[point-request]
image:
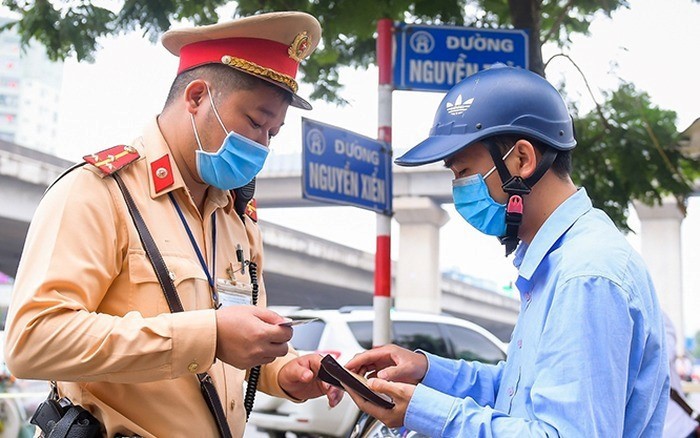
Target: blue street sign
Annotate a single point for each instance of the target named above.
(434, 58)
(342, 167)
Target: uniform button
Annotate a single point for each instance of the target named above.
(233, 404)
(171, 274)
(193, 367)
(528, 297)
(510, 391)
(161, 172)
(520, 343)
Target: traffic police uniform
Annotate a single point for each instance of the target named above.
(87, 307)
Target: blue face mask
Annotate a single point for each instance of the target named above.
(235, 164)
(475, 204)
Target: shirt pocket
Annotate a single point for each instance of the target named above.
(146, 294)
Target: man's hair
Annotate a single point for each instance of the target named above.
(561, 166)
(222, 78)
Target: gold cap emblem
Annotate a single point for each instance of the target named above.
(299, 48)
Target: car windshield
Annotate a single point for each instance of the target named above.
(412, 335)
(444, 340)
(306, 337)
(362, 330)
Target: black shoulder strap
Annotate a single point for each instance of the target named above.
(211, 397)
(65, 172)
(152, 251)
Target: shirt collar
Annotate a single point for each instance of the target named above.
(529, 257)
(158, 155)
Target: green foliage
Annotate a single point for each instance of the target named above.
(562, 19)
(630, 151)
(154, 16)
(71, 31)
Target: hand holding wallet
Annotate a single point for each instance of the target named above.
(334, 373)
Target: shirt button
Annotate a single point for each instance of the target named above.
(193, 367)
(171, 274)
(510, 391)
(520, 343)
(528, 297)
(233, 404)
(162, 172)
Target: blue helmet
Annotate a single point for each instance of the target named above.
(500, 100)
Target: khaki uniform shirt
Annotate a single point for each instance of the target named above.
(88, 311)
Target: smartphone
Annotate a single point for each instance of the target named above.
(335, 374)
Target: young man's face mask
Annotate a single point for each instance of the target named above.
(475, 204)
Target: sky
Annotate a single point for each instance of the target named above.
(654, 44)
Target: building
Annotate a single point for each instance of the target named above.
(30, 87)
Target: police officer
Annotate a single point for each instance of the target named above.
(587, 355)
(88, 310)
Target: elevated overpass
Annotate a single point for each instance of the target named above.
(24, 175)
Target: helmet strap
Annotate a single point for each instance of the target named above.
(516, 188)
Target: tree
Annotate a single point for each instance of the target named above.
(627, 148)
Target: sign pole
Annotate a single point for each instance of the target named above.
(382, 276)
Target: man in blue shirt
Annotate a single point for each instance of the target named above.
(587, 357)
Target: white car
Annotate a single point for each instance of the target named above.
(348, 331)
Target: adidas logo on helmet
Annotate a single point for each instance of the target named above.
(458, 107)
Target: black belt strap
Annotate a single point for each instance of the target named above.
(207, 386)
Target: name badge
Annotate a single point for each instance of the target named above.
(233, 293)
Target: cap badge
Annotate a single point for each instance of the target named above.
(299, 48)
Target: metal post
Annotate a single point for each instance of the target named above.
(382, 276)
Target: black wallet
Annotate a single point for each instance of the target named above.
(334, 373)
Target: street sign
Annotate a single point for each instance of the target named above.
(342, 167)
(434, 58)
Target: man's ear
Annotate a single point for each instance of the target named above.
(195, 94)
(527, 156)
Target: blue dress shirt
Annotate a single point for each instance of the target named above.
(587, 357)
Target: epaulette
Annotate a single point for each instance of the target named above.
(252, 210)
(112, 159)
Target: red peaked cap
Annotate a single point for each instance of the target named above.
(268, 46)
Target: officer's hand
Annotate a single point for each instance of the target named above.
(247, 336)
(298, 378)
(400, 394)
(391, 363)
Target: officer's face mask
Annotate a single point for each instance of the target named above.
(475, 204)
(235, 164)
